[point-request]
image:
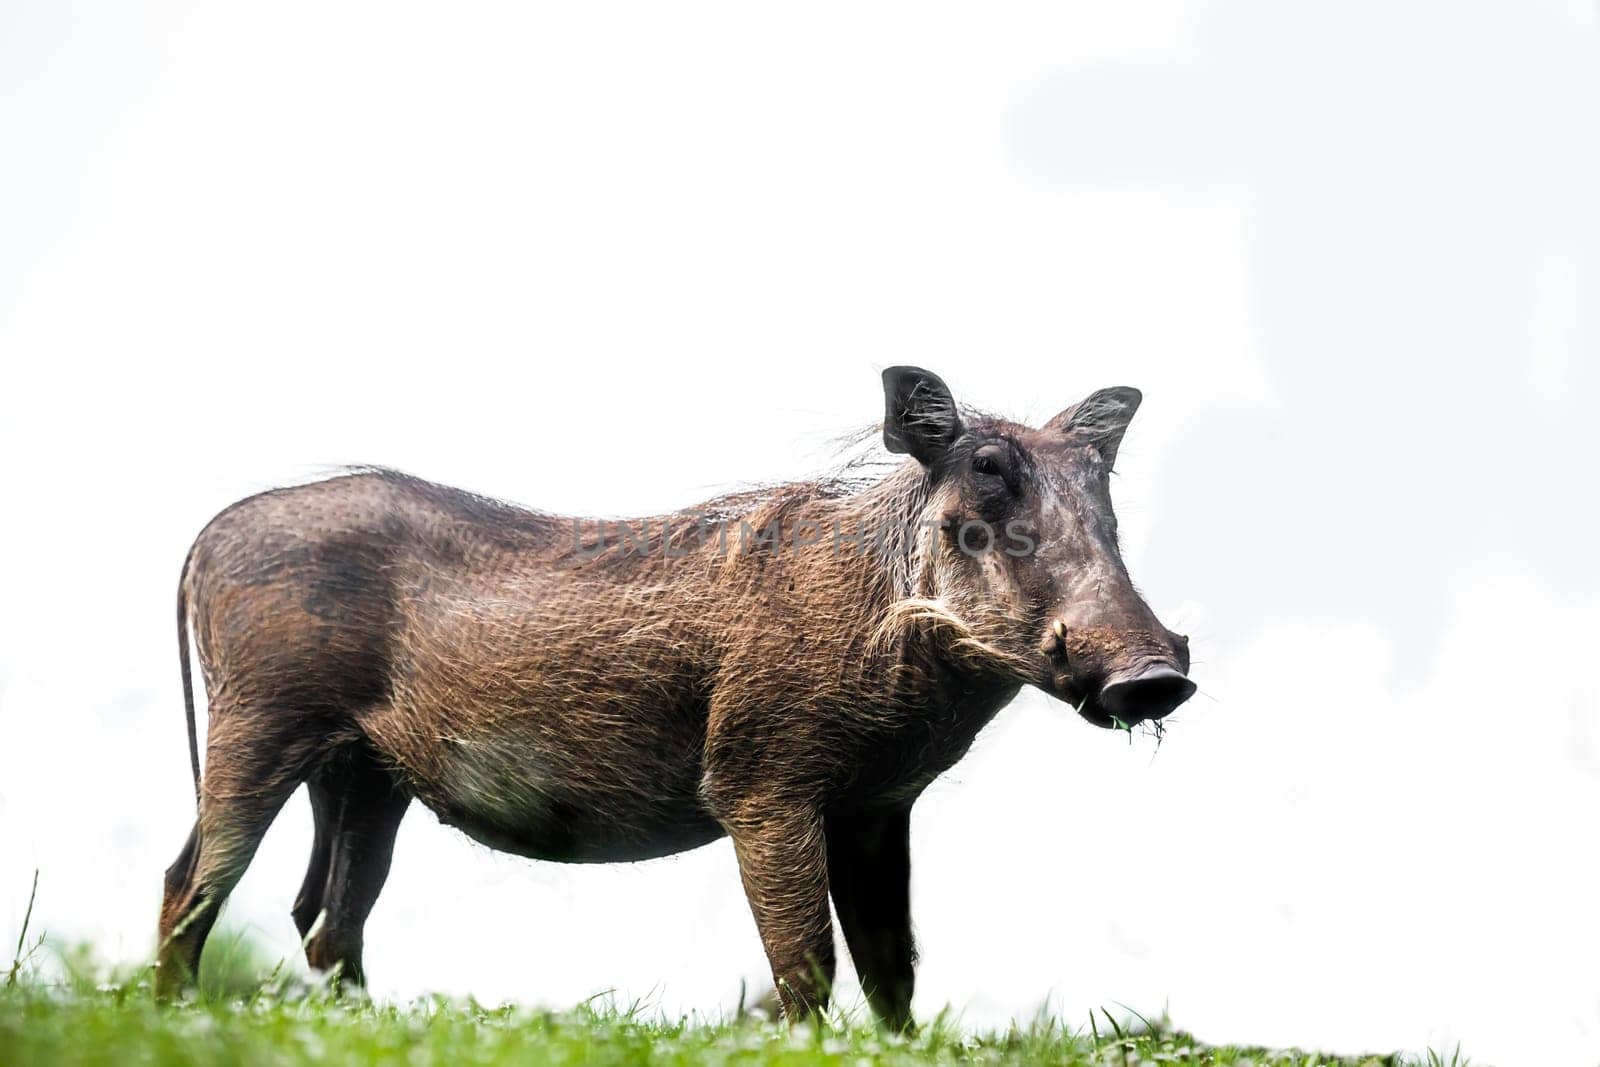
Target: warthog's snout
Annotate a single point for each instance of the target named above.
(1151, 693)
(1116, 676)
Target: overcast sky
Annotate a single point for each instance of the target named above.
(610, 259)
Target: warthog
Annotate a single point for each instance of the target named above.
(790, 667)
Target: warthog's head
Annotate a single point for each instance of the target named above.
(1022, 568)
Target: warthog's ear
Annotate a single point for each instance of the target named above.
(919, 414)
(1102, 418)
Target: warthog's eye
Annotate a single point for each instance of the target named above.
(994, 486)
(988, 461)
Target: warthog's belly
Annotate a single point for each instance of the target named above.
(514, 798)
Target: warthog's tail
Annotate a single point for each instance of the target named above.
(188, 680)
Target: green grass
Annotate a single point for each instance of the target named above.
(121, 1026)
(62, 1007)
(283, 1021)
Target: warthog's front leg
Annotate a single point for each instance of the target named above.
(869, 870)
(783, 863)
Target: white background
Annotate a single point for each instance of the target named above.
(610, 259)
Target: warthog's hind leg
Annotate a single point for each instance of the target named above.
(358, 807)
(254, 760)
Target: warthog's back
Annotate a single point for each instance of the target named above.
(546, 702)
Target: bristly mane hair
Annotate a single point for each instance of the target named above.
(861, 463)
(863, 466)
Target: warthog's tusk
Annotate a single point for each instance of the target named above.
(1060, 630)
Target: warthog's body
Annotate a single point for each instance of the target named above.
(581, 692)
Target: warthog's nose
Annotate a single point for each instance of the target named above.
(1148, 694)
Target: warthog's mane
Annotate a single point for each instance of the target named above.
(883, 491)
